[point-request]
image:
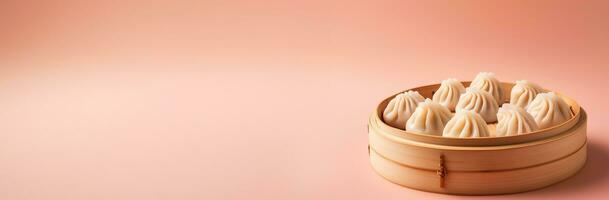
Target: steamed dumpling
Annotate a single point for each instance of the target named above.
(429, 118)
(523, 93)
(401, 107)
(465, 124)
(514, 120)
(548, 110)
(480, 102)
(449, 92)
(486, 81)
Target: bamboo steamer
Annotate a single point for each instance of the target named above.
(478, 166)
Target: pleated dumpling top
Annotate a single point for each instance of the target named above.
(466, 124)
(524, 92)
(449, 92)
(486, 81)
(514, 120)
(401, 107)
(429, 118)
(548, 109)
(480, 102)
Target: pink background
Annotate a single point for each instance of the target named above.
(263, 99)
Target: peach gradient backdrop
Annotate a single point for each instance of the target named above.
(263, 99)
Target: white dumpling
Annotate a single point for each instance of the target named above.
(429, 118)
(401, 107)
(514, 120)
(466, 124)
(486, 81)
(523, 93)
(480, 102)
(449, 92)
(548, 109)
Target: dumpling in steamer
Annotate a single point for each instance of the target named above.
(466, 124)
(429, 118)
(486, 81)
(401, 107)
(514, 120)
(480, 102)
(548, 109)
(449, 92)
(524, 92)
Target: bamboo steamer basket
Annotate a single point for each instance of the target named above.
(478, 166)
